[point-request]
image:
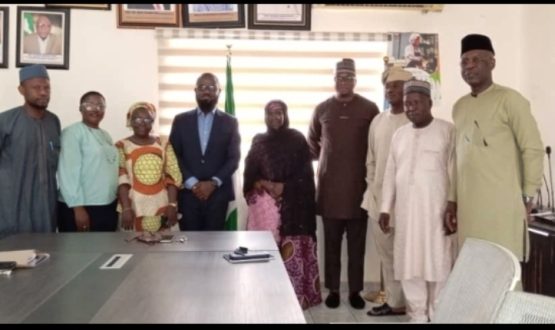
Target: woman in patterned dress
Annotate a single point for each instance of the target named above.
(279, 189)
(149, 175)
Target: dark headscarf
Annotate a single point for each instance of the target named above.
(272, 104)
(283, 156)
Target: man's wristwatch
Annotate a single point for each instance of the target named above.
(527, 199)
(215, 183)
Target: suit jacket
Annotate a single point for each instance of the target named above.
(53, 46)
(221, 158)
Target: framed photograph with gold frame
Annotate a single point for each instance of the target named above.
(279, 17)
(42, 37)
(143, 15)
(95, 6)
(228, 15)
(4, 42)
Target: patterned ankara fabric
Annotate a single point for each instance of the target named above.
(300, 259)
(148, 169)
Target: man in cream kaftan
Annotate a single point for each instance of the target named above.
(381, 131)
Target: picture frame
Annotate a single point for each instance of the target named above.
(35, 23)
(93, 6)
(145, 16)
(279, 16)
(4, 41)
(230, 15)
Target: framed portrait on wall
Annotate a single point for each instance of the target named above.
(42, 37)
(228, 15)
(144, 15)
(279, 16)
(94, 6)
(418, 53)
(4, 42)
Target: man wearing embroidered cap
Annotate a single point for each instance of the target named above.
(338, 137)
(499, 154)
(379, 139)
(29, 148)
(418, 187)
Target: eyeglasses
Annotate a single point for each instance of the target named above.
(210, 88)
(473, 60)
(345, 78)
(93, 107)
(141, 120)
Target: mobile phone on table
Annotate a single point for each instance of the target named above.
(6, 267)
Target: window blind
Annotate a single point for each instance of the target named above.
(294, 66)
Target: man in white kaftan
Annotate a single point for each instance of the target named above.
(418, 188)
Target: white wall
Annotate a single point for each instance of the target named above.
(122, 63)
(538, 67)
(119, 63)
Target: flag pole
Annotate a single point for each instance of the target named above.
(231, 216)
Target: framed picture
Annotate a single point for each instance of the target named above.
(228, 15)
(144, 15)
(42, 37)
(4, 42)
(279, 17)
(97, 6)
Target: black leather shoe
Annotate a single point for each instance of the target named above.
(383, 310)
(332, 301)
(356, 301)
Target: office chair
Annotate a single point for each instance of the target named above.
(523, 307)
(483, 272)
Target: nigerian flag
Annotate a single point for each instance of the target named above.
(231, 218)
(28, 23)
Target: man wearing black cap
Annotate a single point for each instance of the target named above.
(29, 148)
(338, 138)
(499, 154)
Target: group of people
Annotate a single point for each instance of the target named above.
(417, 178)
(430, 179)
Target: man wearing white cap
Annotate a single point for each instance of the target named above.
(499, 154)
(419, 188)
(29, 149)
(379, 139)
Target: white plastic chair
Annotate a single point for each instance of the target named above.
(483, 273)
(525, 308)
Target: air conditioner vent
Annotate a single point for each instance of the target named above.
(410, 6)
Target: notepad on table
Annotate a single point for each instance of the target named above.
(24, 258)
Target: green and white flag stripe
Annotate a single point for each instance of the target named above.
(231, 218)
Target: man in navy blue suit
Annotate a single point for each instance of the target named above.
(206, 142)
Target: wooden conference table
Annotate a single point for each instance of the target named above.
(176, 282)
